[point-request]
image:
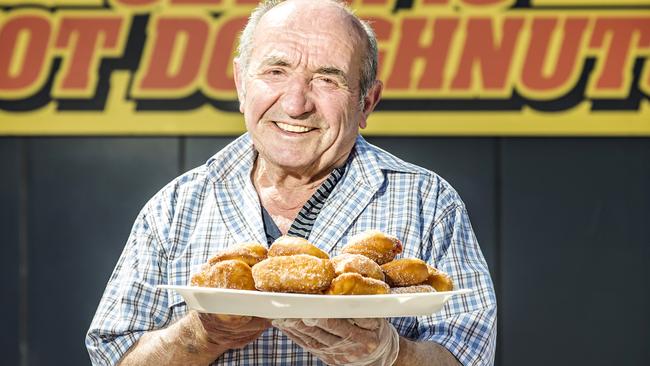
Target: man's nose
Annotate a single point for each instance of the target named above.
(297, 99)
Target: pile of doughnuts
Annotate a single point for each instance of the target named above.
(366, 266)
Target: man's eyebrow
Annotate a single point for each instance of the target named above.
(274, 61)
(333, 71)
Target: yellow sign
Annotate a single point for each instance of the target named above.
(450, 67)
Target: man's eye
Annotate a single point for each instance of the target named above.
(327, 81)
(275, 72)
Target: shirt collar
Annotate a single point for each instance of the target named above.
(234, 160)
(366, 163)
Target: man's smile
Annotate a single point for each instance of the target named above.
(293, 128)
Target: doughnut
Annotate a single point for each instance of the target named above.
(229, 273)
(356, 284)
(405, 272)
(300, 273)
(379, 247)
(439, 280)
(202, 278)
(412, 289)
(250, 253)
(290, 245)
(357, 263)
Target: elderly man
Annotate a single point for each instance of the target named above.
(306, 83)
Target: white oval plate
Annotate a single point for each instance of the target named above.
(274, 305)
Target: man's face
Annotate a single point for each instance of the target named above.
(301, 100)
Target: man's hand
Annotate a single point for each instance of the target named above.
(196, 339)
(230, 331)
(354, 342)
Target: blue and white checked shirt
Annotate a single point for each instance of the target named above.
(216, 205)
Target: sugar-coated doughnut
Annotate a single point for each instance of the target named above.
(374, 244)
(405, 272)
(291, 245)
(412, 289)
(357, 263)
(366, 266)
(300, 273)
(439, 280)
(250, 253)
(356, 284)
(229, 273)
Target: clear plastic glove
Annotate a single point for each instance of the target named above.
(353, 342)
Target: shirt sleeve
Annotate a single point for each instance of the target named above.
(467, 324)
(131, 304)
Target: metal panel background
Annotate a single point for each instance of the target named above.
(563, 224)
(10, 174)
(84, 196)
(575, 252)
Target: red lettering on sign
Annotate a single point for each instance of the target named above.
(86, 33)
(217, 76)
(33, 58)
(169, 31)
(614, 71)
(481, 48)
(533, 75)
(434, 54)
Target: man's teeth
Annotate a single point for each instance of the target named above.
(292, 128)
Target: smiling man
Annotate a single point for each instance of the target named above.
(305, 79)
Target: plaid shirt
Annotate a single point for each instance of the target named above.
(216, 205)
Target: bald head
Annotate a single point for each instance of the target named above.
(297, 14)
(321, 14)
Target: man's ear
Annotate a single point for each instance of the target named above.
(370, 102)
(238, 83)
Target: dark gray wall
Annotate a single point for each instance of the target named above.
(575, 252)
(564, 225)
(11, 240)
(83, 196)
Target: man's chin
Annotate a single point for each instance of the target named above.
(292, 164)
(296, 161)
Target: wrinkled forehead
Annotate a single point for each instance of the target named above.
(315, 34)
(317, 29)
(300, 13)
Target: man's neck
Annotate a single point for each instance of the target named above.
(269, 175)
(284, 193)
(281, 193)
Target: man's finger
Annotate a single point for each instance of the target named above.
(338, 327)
(367, 323)
(321, 335)
(303, 340)
(234, 319)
